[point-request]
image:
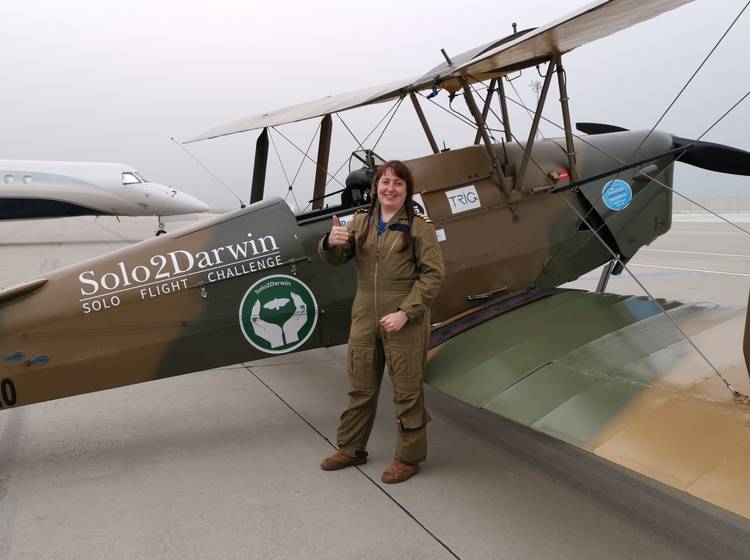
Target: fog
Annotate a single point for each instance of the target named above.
(114, 81)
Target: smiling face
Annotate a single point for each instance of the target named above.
(391, 191)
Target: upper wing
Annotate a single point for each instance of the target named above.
(593, 21)
(527, 48)
(317, 108)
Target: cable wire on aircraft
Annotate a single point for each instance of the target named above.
(617, 258)
(242, 204)
(700, 66)
(620, 160)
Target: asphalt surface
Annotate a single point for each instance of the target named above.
(224, 463)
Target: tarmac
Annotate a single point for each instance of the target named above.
(224, 463)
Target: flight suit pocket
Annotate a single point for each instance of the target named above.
(413, 420)
(361, 367)
(403, 367)
(408, 399)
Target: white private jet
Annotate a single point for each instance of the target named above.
(53, 189)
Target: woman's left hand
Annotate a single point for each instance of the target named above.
(394, 322)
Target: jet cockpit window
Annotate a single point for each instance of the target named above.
(129, 178)
(141, 177)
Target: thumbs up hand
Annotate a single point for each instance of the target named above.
(339, 235)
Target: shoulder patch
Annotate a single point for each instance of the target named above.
(423, 216)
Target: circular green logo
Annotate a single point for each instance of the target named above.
(278, 314)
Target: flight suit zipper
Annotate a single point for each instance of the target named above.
(377, 259)
(375, 283)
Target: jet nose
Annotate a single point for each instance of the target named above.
(193, 204)
(176, 202)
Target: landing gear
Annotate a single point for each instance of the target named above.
(606, 273)
(161, 228)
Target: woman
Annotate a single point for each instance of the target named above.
(399, 273)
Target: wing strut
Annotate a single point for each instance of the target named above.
(497, 169)
(425, 125)
(504, 109)
(562, 80)
(259, 167)
(321, 170)
(535, 125)
(486, 108)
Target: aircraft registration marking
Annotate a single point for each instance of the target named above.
(7, 393)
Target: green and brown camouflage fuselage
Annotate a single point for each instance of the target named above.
(250, 284)
(172, 305)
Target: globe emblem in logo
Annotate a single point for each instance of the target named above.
(278, 314)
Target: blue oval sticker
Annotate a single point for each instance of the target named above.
(617, 194)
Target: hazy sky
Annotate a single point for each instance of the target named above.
(113, 81)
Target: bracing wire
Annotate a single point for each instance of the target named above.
(302, 161)
(530, 112)
(199, 162)
(305, 155)
(349, 130)
(388, 123)
(657, 181)
(281, 163)
(661, 308)
(700, 66)
(618, 259)
(458, 116)
(290, 189)
(554, 258)
(374, 128)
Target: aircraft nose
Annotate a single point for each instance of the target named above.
(176, 202)
(193, 204)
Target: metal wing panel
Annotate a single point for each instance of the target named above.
(592, 22)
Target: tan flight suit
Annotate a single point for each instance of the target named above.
(386, 282)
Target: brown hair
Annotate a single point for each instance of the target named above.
(400, 170)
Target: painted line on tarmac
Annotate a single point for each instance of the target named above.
(691, 269)
(706, 218)
(10, 444)
(695, 253)
(363, 473)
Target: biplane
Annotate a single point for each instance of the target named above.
(620, 376)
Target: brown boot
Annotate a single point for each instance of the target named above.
(398, 471)
(340, 461)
